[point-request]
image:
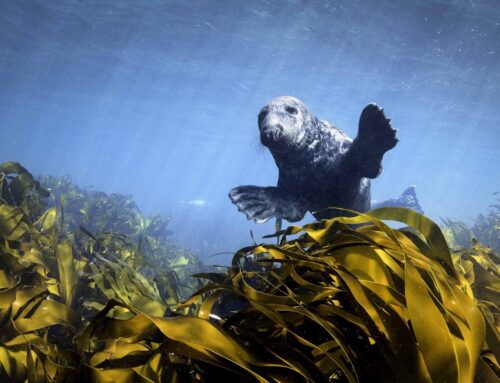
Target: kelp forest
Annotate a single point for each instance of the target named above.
(93, 291)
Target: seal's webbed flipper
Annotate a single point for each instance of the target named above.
(375, 137)
(262, 203)
(408, 199)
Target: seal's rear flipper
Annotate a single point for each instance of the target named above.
(408, 199)
(375, 137)
(262, 203)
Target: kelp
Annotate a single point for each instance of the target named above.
(457, 233)
(342, 300)
(55, 276)
(113, 226)
(19, 188)
(485, 229)
(114, 223)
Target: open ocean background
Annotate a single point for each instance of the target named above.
(159, 99)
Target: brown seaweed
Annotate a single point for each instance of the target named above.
(342, 300)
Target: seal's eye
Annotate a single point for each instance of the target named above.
(291, 110)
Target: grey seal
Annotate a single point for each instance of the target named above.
(319, 165)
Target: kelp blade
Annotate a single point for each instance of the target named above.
(347, 300)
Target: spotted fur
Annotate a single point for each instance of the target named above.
(319, 165)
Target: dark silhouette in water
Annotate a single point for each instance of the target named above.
(319, 165)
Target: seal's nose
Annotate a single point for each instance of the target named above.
(272, 128)
(278, 127)
(269, 136)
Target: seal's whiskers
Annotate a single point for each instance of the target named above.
(258, 146)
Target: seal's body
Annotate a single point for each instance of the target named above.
(319, 165)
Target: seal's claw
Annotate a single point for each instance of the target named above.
(262, 203)
(375, 137)
(254, 201)
(375, 130)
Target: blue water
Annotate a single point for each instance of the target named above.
(159, 99)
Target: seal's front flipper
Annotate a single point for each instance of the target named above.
(375, 137)
(408, 199)
(262, 203)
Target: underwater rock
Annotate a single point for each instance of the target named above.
(407, 199)
(319, 165)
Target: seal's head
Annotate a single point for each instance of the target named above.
(284, 124)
